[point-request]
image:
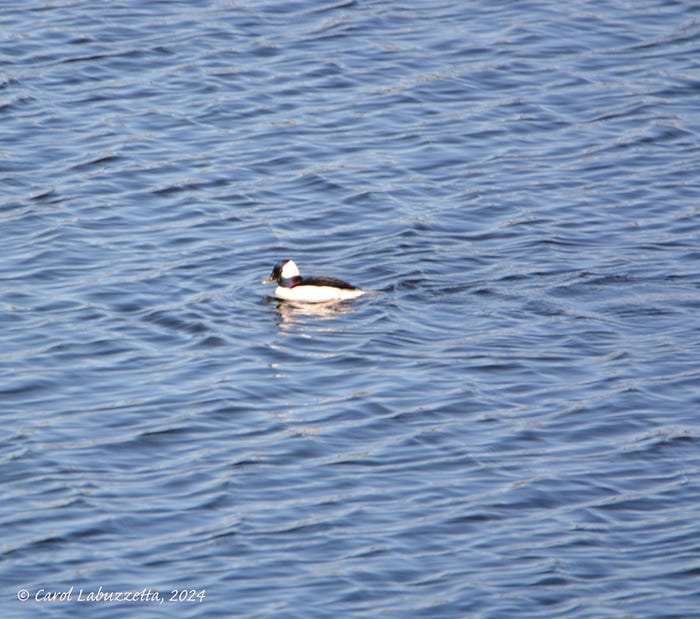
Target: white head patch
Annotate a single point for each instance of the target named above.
(290, 269)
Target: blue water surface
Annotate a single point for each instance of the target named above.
(508, 427)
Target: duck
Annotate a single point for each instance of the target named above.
(291, 286)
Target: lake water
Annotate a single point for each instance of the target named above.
(509, 428)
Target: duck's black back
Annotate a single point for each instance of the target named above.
(327, 281)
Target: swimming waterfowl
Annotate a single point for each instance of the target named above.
(291, 286)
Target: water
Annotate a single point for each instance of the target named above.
(509, 428)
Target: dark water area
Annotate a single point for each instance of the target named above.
(509, 427)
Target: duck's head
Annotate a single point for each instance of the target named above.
(286, 273)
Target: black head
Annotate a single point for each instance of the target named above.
(285, 273)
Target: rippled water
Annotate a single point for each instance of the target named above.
(509, 428)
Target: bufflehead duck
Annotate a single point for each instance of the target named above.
(293, 287)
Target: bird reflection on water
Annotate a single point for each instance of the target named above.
(293, 312)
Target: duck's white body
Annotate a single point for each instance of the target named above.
(293, 287)
(315, 294)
